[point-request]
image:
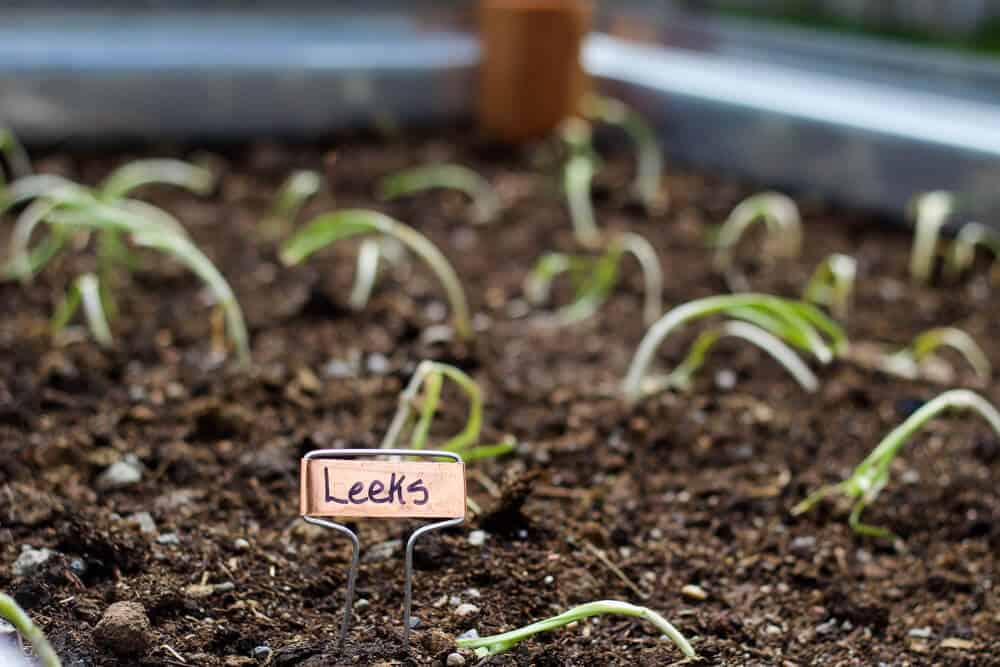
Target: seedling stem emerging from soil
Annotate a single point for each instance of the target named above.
(594, 278)
(12, 612)
(906, 362)
(430, 376)
(331, 227)
(832, 284)
(448, 176)
(931, 211)
(962, 253)
(18, 163)
(485, 646)
(780, 215)
(85, 291)
(297, 189)
(649, 172)
(872, 474)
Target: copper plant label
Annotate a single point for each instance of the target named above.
(389, 489)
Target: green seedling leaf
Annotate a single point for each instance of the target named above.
(784, 232)
(447, 176)
(832, 284)
(12, 612)
(872, 474)
(931, 211)
(85, 290)
(18, 163)
(794, 322)
(331, 227)
(906, 362)
(128, 177)
(300, 187)
(649, 173)
(485, 646)
(681, 377)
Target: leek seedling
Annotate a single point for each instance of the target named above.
(962, 253)
(578, 174)
(681, 377)
(12, 612)
(832, 284)
(784, 231)
(449, 176)
(430, 376)
(299, 188)
(86, 291)
(930, 211)
(872, 474)
(132, 175)
(800, 324)
(330, 227)
(18, 163)
(649, 172)
(595, 278)
(485, 646)
(906, 362)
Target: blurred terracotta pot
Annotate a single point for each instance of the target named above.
(531, 76)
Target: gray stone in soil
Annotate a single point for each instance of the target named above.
(120, 475)
(30, 559)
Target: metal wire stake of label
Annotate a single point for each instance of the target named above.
(451, 484)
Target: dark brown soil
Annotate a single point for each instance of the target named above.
(683, 489)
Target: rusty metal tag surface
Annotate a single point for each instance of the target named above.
(386, 489)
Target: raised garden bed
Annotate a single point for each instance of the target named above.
(680, 490)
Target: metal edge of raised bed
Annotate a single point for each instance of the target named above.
(842, 137)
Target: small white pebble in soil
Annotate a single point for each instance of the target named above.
(920, 633)
(168, 538)
(262, 653)
(656, 534)
(772, 630)
(549, 579)
(472, 593)
(469, 634)
(455, 660)
(693, 592)
(241, 544)
(120, 475)
(361, 604)
(144, 520)
(910, 476)
(377, 364)
(827, 628)
(477, 538)
(454, 600)
(725, 379)
(465, 609)
(30, 559)
(414, 622)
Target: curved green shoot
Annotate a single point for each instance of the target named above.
(31, 187)
(485, 646)
(22, 261)
(931, 211)
(448, 176)
(649, 172)
(962, 253)
(430, 376)
(872, 474)
(794, 322)
(365, 273)
(780, 215)
(297, 189)
(330, 227)
(906, 362)
(681, 377)
(832, 284)
(85, 291)
(577, 177)
(595, 277)
(12, 612)
(182, 249)
(14, 155)
(128, 177)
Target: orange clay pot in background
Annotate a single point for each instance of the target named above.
(531, 77)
